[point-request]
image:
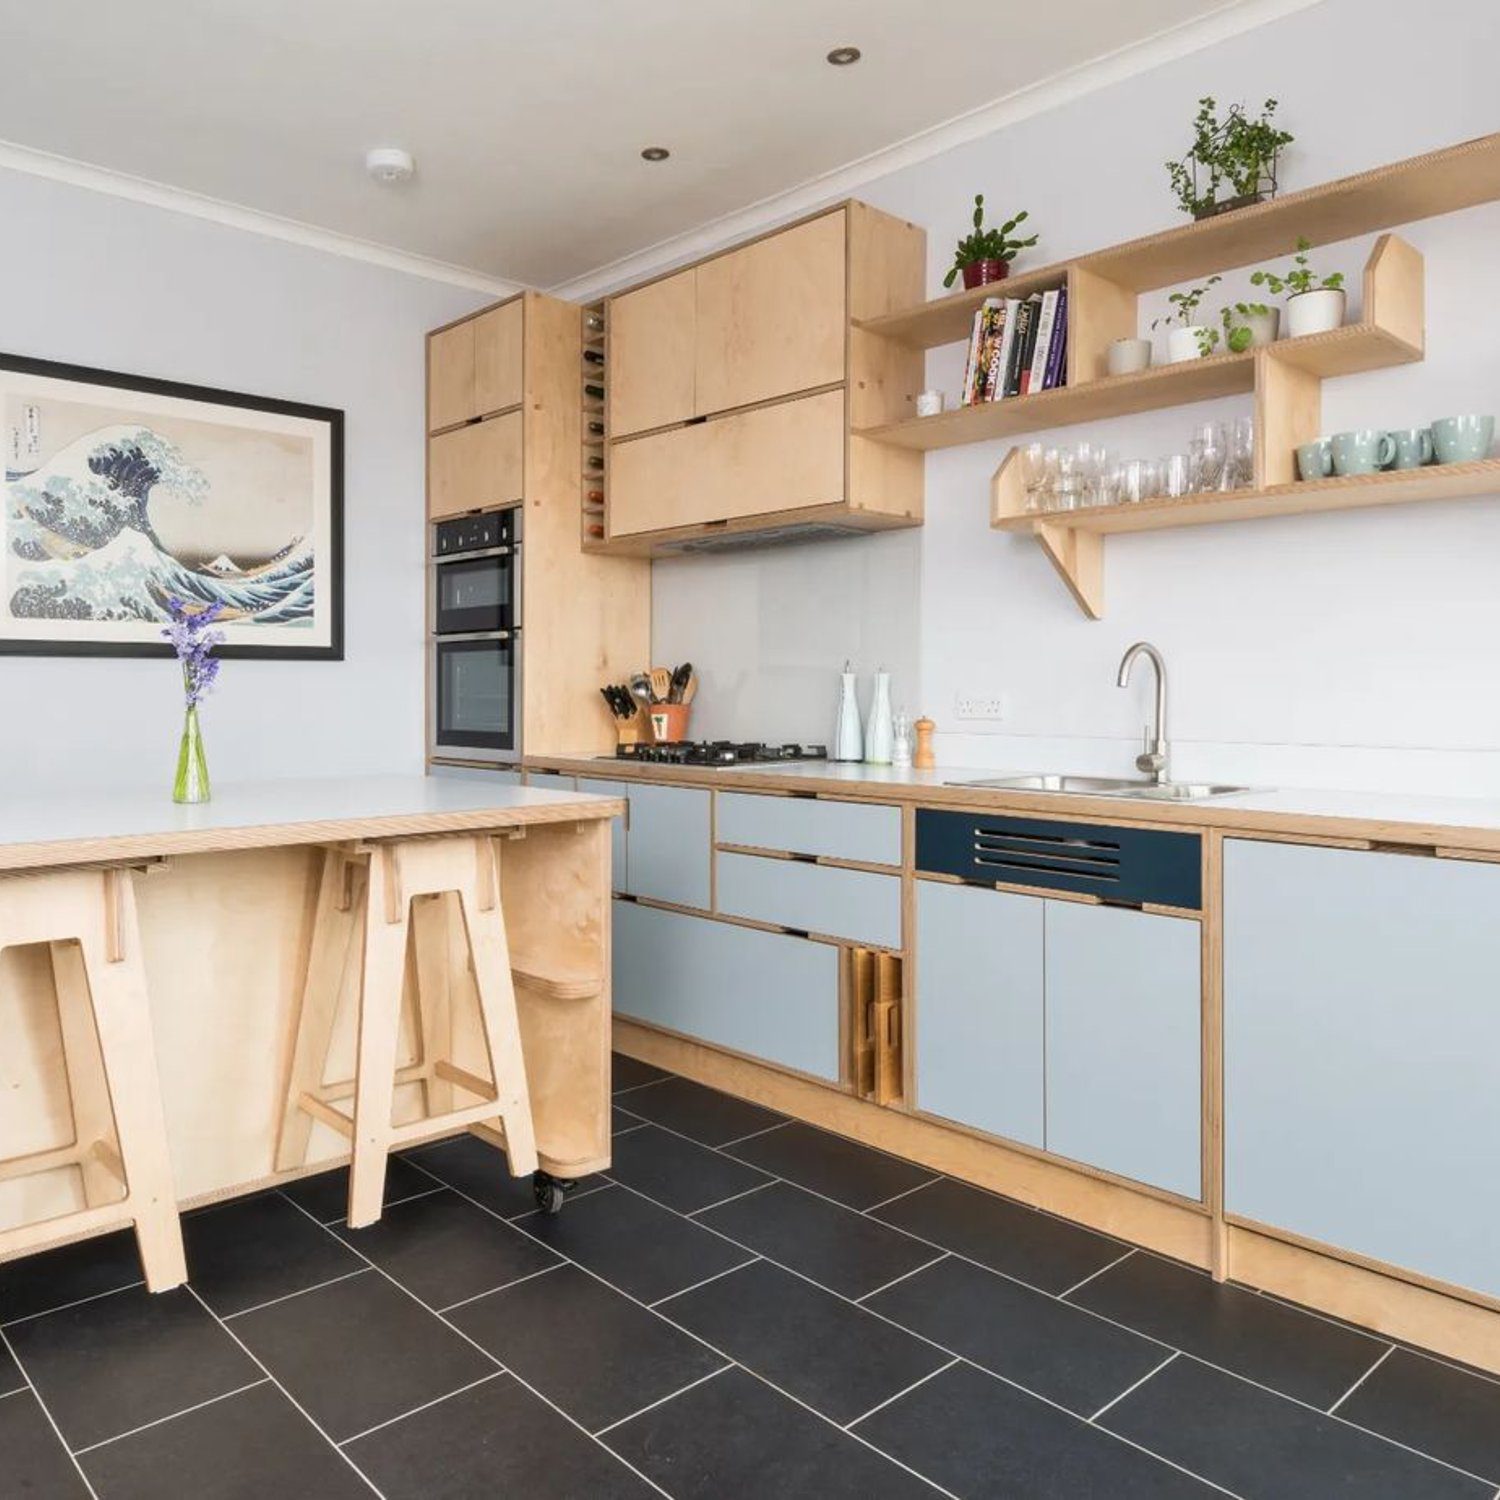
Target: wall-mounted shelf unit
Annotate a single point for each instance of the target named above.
(1438, 182)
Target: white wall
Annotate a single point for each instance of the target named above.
(94, 280)
(1359, 650)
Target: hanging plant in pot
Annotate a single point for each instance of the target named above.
(984, 255)
(1316, 304)
(1187, 338)
(1231, 163)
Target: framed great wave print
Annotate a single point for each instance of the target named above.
(123, 494)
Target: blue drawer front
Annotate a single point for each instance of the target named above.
(1131, 866)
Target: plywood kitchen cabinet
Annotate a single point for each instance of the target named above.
(651, 377)
(1123, 1058)
(980, 1016)
(732, 387)
(504, 399)
(770, 317)
(720, 471)
(475, 368)
(766, 994)
(475, 467)
(1361, 1028)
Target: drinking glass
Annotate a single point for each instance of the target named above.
(1242, 454)
(1034, 474)
(1177, 476)
(1135, 480)
(1209, 450)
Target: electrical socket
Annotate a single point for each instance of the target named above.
(979, 706)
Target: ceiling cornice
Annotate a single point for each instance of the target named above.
(1234, 19)
(293, 231)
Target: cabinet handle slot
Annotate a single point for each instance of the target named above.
(1034, 867)
(1414, 851)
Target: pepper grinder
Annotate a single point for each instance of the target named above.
(879, 733)
(848, 738)
(922, 757)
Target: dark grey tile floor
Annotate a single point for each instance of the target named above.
(743, 1308)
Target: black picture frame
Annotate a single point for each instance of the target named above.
(331, 575)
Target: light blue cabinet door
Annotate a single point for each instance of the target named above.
(760, 993)
(855, 904)
(618, 841)
(1124, 1043)
(669, 844)
(859, 831)
(979, 1009)
(1361, 1039)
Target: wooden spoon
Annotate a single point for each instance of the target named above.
(661, 683)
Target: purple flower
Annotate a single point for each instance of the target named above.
(193, 640)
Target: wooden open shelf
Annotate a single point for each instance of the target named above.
(1344, 351)
(1420, 187)
(1073, 540)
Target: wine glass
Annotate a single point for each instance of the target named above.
(1034, 473)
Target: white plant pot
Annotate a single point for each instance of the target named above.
(1128, 356)
(1315, 312)
(1264, 327)
(1183, 343)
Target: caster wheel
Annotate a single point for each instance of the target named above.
(550, 1192)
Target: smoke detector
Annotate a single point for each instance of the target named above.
(389, 164)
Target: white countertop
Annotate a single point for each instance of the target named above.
(57, 828)
(1412, 814)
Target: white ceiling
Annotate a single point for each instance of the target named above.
(526, 117)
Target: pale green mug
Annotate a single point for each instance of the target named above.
(1314, 460)
(1362, 451)
(1413, 447)
(1462, 440)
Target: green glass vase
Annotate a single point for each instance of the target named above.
(192, 763)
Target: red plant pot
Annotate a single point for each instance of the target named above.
(982, 272)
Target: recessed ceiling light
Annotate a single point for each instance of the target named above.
(841, 57)
(655, 153)
(389, 164)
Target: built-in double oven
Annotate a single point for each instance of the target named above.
(475, 686)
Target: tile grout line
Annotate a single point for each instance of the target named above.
(635, 1088)
(36, 1396)
(1079, 1285)
(239, 1390)
(300, 1292)
(1390, 1349)
(20, 1390)
(904, 1391)
(741, 1139)
(1135, 1385)
(339, 1218)
(670, 1396)
(425, 1406)
(897, 1280)
(265, 1370)
(707, 1280)
(77, 1302)
(897, 1197)
(505, 1286)
(732, 1198)
(500, 1367)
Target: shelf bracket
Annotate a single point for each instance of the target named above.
(1078, 557)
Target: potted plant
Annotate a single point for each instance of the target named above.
(984, 255)
(1316, 304)
(1188, 339)
(1231, 163)
(1249, 325)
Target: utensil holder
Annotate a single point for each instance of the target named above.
(669, 722)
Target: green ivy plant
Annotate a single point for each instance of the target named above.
(1184, 306)
(1237, 150)
(988, 244)
(1301, 278)
(1237, 335)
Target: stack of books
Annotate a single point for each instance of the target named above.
(1018, 347)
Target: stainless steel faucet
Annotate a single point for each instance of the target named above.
(1153, 759)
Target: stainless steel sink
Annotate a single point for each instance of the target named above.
(1108, 786)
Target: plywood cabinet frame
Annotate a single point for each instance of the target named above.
(1286, 379)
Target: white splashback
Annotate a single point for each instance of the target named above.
(1358, 650)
